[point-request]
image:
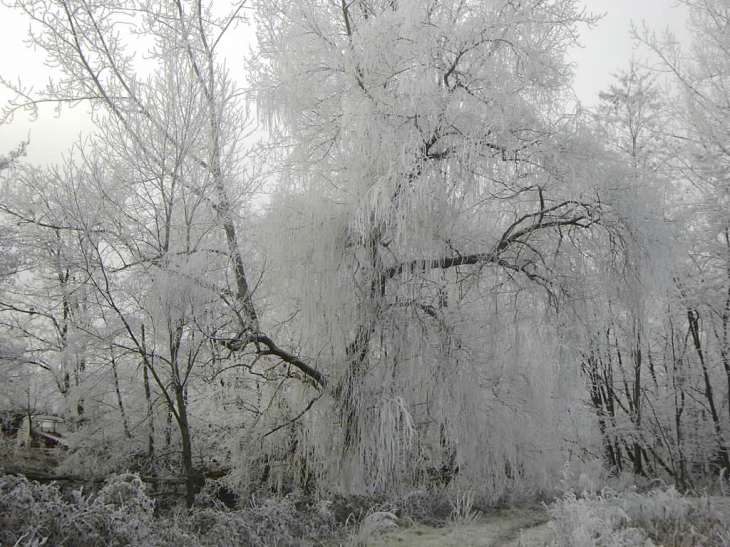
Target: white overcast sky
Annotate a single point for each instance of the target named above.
(606, 49)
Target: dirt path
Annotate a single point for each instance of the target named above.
(508, 528)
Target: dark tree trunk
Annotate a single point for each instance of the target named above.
(187, 449)
(693, 319)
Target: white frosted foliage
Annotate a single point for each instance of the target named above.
(416, 134)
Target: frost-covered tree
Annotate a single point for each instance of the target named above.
(695, 336)
(14, 381)
(44, 302)
(632, 113)
(150, 208)
(702, 75)
(431, 182)
(629, 274)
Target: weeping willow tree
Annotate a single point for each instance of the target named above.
(430, 182)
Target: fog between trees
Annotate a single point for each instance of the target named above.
(391, 258)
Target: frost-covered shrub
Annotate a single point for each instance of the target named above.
(594, 520)
(295, 519)
(673, 519)
(129, 511)
(19, 507)
(633, 519)
(218, 528)
(35, 514)
(122, 514)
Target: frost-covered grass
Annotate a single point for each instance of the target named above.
(499, 528)
(462, 509)
(632, 519)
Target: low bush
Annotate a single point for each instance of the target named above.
(122, 514)
(34, 514)
(632, 519)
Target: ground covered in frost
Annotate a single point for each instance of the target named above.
(503, 528)
(592, 519)
(122, 513)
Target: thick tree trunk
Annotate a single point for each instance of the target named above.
(187, 448)
(357, 350)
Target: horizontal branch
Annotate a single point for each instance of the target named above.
(266, 346)
(511, 236)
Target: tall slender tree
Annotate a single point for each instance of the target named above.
(150, 206)
(701, 75)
